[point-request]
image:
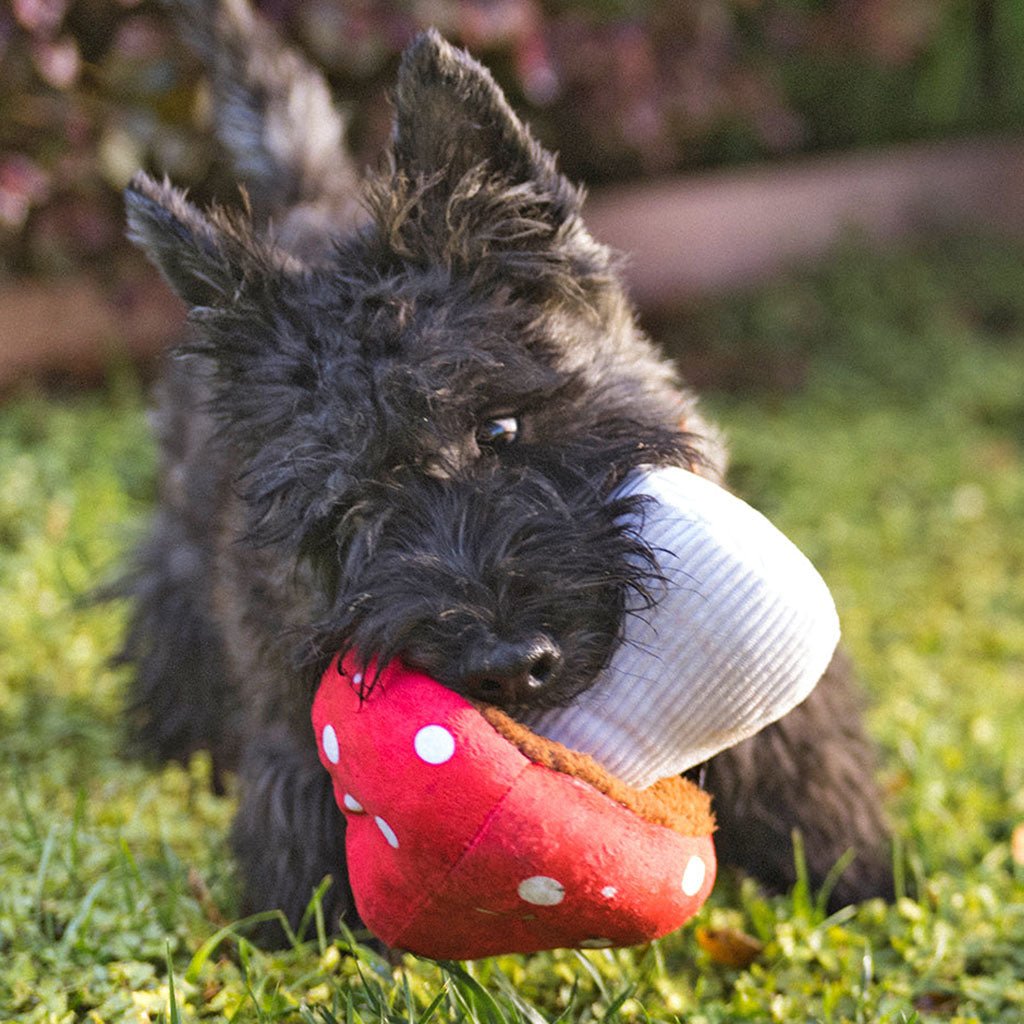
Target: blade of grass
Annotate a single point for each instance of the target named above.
(372, 992)
(473, 995)
(44, 868)
(26, 811)
(77, 824)
(431, 1007)
(230, 931)
(594, 973)
(831, 881)
(314, 910)
(899, 867)
(803, 903)
(172, 1003)
(526, 1010)
(75, 925)
(617, 1003)
(570, 1004)
(129, 873)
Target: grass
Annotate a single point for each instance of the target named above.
(889, 446)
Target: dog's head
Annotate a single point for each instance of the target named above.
(434, 412)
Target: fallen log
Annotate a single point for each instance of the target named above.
(730, 229)
(70, 331)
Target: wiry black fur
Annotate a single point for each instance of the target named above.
(330, 481)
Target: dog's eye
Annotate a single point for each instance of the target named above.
(497, 433)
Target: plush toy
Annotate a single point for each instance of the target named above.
(469, 834)
(743, 629)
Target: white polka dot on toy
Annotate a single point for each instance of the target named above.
(352, 804)
(541, 891)
(434, 744)
(358, 679)
(330, 742)
(387, 832)
(609, 891)
(693, 876)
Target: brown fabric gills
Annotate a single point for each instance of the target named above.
(675, 802)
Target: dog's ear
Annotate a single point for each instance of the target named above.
(186, 246)
(451, 117)
(206, 258)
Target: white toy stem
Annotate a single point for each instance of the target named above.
(743, 628)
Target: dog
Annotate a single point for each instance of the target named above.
(394, 431)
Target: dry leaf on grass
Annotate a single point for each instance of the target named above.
(1017, 844)
(729, 946)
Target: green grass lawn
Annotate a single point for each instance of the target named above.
(881, 425)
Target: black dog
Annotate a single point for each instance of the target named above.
(395, 432)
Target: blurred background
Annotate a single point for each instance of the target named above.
(627, 91)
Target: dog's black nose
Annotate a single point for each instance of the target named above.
(509, 673)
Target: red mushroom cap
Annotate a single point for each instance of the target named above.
(460, 847)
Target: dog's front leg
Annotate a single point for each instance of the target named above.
(289, 834)
(812, 771)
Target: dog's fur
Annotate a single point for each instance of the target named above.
(395, 432)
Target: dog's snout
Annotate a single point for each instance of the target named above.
(510, 673)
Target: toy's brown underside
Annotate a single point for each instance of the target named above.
(674, 802)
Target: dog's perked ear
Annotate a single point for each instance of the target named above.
(273, 371)
(451, 118)
(185, 246)
(472, 191)
(206, 259)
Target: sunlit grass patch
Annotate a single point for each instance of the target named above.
(894, 459)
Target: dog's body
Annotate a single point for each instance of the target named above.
(397, 435)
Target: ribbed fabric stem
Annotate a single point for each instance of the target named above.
(743, 630)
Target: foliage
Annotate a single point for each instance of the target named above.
(895, 457)
(90, 90)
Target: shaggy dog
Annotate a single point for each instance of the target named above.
(394, 431)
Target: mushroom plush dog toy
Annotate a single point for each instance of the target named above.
(470, 834)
